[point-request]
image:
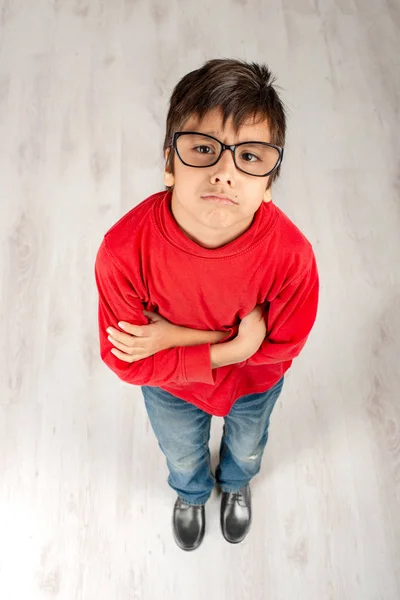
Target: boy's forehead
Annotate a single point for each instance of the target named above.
(211, 123)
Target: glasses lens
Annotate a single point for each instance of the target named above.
(201, 151)
(256, 158)
(198, 150)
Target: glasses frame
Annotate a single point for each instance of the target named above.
(224, 147)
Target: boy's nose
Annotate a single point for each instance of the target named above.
(226, 160)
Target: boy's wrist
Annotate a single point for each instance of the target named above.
(221, 354)
(229, 353)
(184, 336)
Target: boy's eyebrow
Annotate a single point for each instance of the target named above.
(216, 134)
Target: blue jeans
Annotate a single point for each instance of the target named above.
(183, 433)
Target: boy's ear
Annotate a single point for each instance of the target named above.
(169, 178)
(268, 195)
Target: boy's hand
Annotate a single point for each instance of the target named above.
(252, 331)
(142, 341)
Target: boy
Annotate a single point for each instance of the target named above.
(229, 283)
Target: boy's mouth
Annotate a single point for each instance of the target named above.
(219, 199)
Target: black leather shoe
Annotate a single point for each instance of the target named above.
(236, 514)
(188, 522)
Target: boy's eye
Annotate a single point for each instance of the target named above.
(249, 154)
(197, 148)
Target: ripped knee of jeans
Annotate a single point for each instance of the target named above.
(251, 457)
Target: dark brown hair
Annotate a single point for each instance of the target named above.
(238, 88)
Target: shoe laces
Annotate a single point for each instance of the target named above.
(238, 496)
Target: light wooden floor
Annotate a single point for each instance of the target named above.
(85, 509)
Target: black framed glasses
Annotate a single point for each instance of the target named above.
(200, 150)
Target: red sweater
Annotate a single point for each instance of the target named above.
(145, 262)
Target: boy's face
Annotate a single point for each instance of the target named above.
(209, 224)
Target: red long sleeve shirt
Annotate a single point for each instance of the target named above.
(145, 262)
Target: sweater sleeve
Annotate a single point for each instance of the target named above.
(118, 301)
(290, 318)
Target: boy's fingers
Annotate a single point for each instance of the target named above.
(122, 356)
(130, 328)
(124, 347)
(124, 338)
